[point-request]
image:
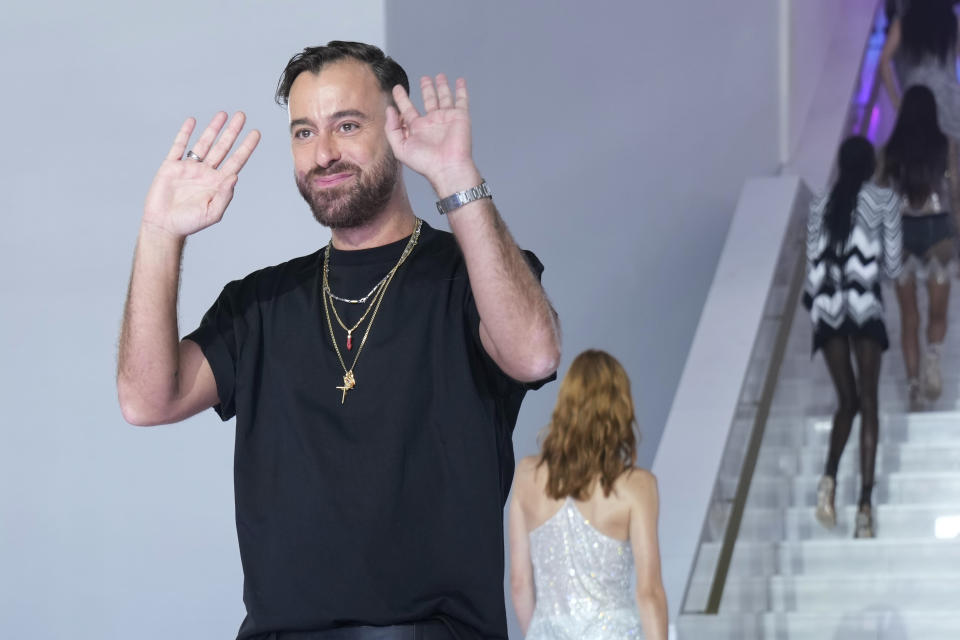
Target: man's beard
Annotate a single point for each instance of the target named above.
(355, 204)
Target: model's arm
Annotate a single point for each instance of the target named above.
(814, 228)
(890, 47)
(651, 597)
(953, 179)
(161, 379)
(893, 238)
(521, 567)
(518, 327)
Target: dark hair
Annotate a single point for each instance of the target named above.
(929, 27)
(855, 164)
(389, 74)
(915, 157)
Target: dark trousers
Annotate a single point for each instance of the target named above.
(427, 630)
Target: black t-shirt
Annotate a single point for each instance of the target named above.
(387, 508)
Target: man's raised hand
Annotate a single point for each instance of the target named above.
(188, 195)
(436, 144)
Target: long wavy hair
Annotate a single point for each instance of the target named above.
(855, 165)
(592, 431)
(915, 158)
(929, 27)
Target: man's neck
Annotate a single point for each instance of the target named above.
(394, 223)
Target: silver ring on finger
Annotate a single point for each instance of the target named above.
(193, 156)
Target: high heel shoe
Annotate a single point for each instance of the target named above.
(826, 514)
(914, 395)
(864, 526)
(930, 372)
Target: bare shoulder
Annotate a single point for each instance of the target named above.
(528, 464)
(640, 486)
(527, 468)
(525, 477)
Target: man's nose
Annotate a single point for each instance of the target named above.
(326, 151)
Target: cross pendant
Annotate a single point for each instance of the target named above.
(348, 383)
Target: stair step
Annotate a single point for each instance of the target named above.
(892, 399)
(796, 432)
(879, 622)
(830, 556)
(892, 488)
(890, 521)
(891, 457)
(923, 428)
(831, 592)
(920, 592)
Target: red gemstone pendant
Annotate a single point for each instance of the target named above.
(349, 342)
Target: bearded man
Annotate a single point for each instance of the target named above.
(376, 382)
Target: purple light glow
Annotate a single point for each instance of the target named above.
(874, 124)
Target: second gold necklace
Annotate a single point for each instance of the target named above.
(349, 379)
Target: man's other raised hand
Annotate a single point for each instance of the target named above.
(188, 195)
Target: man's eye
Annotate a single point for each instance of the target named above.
(301, 134)
(349, 127)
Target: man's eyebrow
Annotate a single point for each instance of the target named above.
(346, 113)
(350, 113)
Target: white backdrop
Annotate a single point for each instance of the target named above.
(616, 137)
(107, 530)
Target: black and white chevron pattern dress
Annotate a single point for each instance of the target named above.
(843, 293)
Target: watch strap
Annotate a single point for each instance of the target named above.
(457, 200)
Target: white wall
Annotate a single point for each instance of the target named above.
(812, 25)
(108, 531)
(616, 137)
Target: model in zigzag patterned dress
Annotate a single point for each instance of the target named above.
(853, 238)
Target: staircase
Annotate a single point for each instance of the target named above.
(790, 579)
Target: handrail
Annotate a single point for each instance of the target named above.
(756, 434)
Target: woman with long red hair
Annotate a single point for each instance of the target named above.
(583, 518)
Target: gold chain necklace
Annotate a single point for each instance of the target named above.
(350, 330)
(349, 380)
(372, 291)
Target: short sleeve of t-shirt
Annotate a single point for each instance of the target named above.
(217, 337)
(502, 384)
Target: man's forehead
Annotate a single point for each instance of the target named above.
(341, 85)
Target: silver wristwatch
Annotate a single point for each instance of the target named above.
(461, 198)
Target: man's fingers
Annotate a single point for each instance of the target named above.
(463, 101)
(241, 154)
(229, 136)
(393, 119)
(429, 94)
(394, 124)
(203, 144)
(443, 92)
(182, 138)
(393, 128)
(407, 111)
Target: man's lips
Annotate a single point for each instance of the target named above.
(325, 182)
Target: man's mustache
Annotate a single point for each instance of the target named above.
(339, 167)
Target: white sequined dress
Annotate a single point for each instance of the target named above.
(583, 581)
